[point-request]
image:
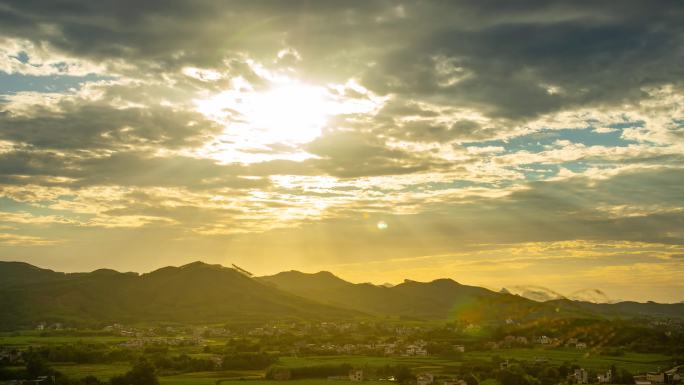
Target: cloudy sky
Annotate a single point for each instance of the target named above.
(497, 143)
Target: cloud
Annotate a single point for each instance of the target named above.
(457, 123)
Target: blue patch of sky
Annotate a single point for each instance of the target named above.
(11, 206)
(22, 56)
(13, 83)
(538, 171)
(454, 184)
(538, 141)
(542, 171)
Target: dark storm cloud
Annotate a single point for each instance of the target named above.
(520, 68)
(97, 125)
(123, 169)
(171, 34)
(351, 154)
(510, 55)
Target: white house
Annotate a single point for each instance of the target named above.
(580, 376)
(425, 379)
(605, 378)
(356, 375)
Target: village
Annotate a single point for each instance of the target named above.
(462, 353)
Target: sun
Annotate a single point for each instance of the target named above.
(285, 114)
(293, 113)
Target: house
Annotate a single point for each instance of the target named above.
(416, 350)
(10, 356)
(581, 345)
(580, 376)
(425, 379)
(459, 348)
(655, 377)
(455, 382)
(41, 380)
(390, 349)
(641, 380)
(218, 362)
(672, 376)
(356, 375)
(281, 374)
(503, 365)
(544, 340)
(605, 378)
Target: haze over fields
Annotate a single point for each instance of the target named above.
(526, 144)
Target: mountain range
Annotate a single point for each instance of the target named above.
(204, 293)
(543, 294)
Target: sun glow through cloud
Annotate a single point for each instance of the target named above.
(286, 114)
(378, 140)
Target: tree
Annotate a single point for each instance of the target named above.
(516, 376)
(402, 374)
(37, 366)
(142, 373)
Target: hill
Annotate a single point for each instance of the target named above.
(203, 293)
(447, 299)
(624, 308)
(194, 293)
(439, 299)
(20, 273)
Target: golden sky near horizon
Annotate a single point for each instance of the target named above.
(497, 144)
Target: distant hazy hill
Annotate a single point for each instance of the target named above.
(621, 309)
(192, 293)
(445, 298)
(439, 299)
(202, 293)
(20, 273)
(543, 294)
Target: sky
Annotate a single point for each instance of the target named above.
(496, 143)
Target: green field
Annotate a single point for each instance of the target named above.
(211, 379)
(101, 371)
(433, 364)
(26, 339)
(634, 362)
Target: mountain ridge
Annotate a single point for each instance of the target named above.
(198, 292)
(192, 293)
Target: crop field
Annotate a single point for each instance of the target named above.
(634, 362)
(26, 339)
(101, 371)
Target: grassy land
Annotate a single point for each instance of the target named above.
(101, 371)
(211, 379)
(363, 361)
(37, 339)
(634, 362)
